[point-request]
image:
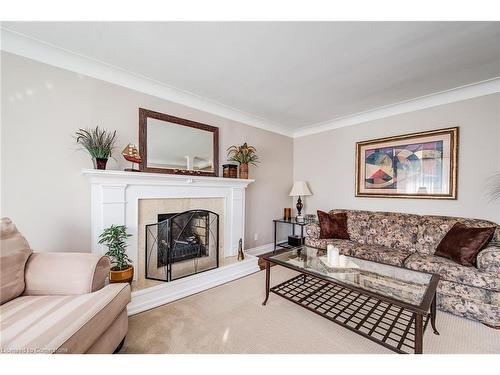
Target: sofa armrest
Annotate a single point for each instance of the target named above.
(65, 273)
(312, 231)
(488, 259)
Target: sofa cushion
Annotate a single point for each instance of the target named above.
(387, 229)
(345, 246)
(64, 324)
(333, 225)
(380, 254)
(432, 229)
(467, 292)
(14, 252)
(374, 253)
(484, 312)
(462, 244)
(451, 271)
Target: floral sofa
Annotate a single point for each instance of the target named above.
(410, 241)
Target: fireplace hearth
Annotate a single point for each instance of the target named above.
(182, 244)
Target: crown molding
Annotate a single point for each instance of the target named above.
(470, 91)
(47, 53)
(44, 52)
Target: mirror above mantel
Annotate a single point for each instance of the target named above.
(169, 144)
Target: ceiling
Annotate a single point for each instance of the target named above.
(293, 74)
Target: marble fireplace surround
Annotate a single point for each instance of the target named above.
(149, 209)
(116, 197)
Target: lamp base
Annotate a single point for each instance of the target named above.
(299, 207)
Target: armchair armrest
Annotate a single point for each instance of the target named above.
(65, 273)
(312, 231)
(488, 259)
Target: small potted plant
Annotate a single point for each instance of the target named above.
(114, 238)
(244, 155)
(99, 143)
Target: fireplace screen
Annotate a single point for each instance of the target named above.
(182, 244)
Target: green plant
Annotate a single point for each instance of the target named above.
(114, 238)
(98, 142)
(243, 154)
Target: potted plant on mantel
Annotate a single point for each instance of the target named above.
(99, 143)
(244, 155)
(114, 238)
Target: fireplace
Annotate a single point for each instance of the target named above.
(182, 244)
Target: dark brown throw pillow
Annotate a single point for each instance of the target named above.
(333, 225)
(462, 244)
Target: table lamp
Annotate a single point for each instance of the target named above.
(299, 189)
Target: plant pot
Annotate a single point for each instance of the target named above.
(100, 163)
(122, 276)
(244, 170)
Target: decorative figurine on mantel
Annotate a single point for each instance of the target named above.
(131, 154)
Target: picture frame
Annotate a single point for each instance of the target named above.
(421, 165)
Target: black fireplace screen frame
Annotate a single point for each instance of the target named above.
(164, 229)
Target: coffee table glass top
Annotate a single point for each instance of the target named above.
(397, 283)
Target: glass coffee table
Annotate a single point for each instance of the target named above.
(386, 304)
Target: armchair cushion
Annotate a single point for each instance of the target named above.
(65, 273)
(14, 252)
(60, 324)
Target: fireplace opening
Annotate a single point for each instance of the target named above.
(182, 244)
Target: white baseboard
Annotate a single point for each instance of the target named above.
(158, 295)
(260, 249)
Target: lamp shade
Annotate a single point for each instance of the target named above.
(300, 188)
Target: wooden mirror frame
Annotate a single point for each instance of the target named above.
(144, 114)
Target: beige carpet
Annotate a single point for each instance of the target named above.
(231, 319)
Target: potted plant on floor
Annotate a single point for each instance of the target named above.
(114, 238)
(99, 143)
(244, 155)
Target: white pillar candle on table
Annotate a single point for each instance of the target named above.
(335, 257)
(332, 255)
(329, 253)
(342, 261)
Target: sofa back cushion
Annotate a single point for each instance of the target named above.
(14, 252)
(395, 230)
(432, 230)
(414, 233)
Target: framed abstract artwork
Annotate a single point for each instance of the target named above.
(418, 165)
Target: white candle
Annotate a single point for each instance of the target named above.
(342, 261)
(335, 257)
(329, 253)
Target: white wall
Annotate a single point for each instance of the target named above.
(326, 160)
(42, 188)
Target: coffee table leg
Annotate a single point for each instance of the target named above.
(268, 275)
(433, 315)
(419, 333)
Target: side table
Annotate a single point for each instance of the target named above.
(293, 223)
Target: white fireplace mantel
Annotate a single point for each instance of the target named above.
(115, 198)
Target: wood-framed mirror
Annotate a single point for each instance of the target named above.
(169, 144)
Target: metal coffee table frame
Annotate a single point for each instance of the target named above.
(396, 325)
